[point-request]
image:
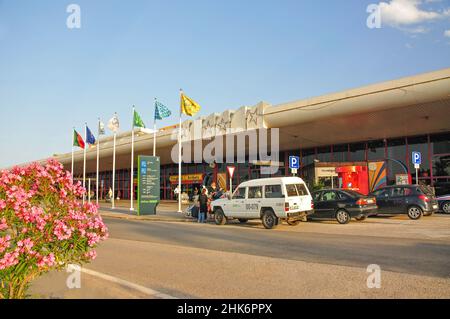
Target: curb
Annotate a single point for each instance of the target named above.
(172, 220)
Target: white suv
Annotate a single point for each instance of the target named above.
(269, 199)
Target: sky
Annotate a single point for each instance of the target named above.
(224, 54)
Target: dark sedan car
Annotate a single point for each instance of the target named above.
(343, 205)
(412, 200)
(444, 203)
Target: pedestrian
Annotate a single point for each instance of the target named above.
(176, 192)
(195, 206)
(109, 196)
(203, 203)
(212, 190)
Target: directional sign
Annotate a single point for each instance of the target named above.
(294, 162)
(231, 170)
(148, 185)
(416, 158)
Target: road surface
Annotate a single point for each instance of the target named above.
(313, 260)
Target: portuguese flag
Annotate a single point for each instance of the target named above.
(78, 140)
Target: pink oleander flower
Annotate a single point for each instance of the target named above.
(4, 243)
(3, 224)
(92, 255)
(9, 259)
(53, 228)
(47, 261)
(2, 204)
(25, 245)
(93, 239)
(61, 231)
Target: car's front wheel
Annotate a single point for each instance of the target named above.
(414, 212)
(269, 219)
(343, 217)
(446, 207)
(219, 217)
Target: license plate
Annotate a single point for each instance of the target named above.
(435, 206)
(370, 201)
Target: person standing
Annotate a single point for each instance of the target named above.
(176, 192)
(203, 203)
(195, 206)
(212, 190)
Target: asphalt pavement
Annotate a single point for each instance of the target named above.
(320, 259)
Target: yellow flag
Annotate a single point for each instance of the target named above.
(189, 106)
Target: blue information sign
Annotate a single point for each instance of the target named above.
(416, 158)
(294, 162)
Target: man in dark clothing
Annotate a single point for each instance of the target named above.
(203, 201)
(214, 191)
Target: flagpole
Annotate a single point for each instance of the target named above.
(98, 161)
(89, 190)
(73, 152)
(154, 132)
(179, 156)
(114, 171)
(84, 161)
(132, 163)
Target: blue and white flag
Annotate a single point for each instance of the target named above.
(161, 111)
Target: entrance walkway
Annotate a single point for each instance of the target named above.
(166, 211)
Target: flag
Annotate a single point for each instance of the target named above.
(114, 124)
(161, 111)
(137, 120)
(189, 106)
(90, 138)
(78, 140)
(101, 128)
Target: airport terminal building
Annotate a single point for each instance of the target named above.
(368, 131)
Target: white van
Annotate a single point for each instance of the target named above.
(268, 199)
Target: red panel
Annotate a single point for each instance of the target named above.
(354, 178)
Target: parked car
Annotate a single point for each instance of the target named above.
(444, 203)
(442, 188)
(343, 205)
(271, 199)
(413, 200)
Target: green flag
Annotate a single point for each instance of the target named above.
(137, 121)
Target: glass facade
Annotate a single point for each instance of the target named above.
(376, 150)
(435, 168)
(357, 152)
(396, 156)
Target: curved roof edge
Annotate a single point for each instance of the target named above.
(402, 92)
(364, 90)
